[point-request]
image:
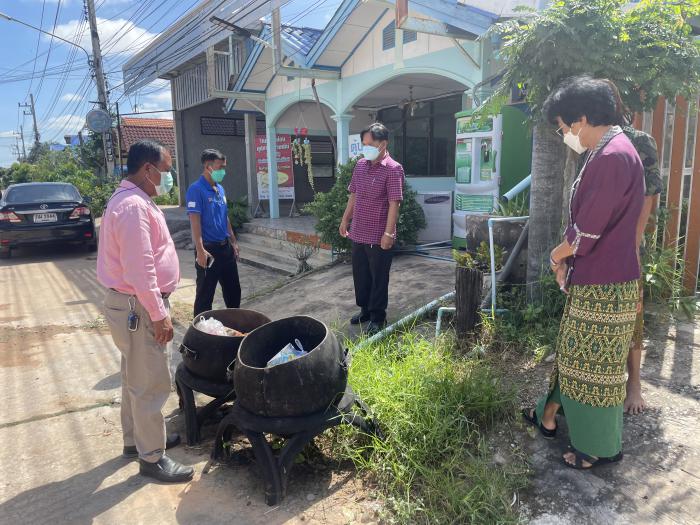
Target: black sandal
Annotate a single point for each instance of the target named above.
(532, 419)
(594, 461)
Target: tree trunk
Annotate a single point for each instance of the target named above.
(570, 174)
(546, 193)
(468, 287)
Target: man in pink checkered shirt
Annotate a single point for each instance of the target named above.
(376, 192)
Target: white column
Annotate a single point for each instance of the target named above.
(272, 171)
(342, 136)
(252, 176)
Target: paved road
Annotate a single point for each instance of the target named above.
(60, 429)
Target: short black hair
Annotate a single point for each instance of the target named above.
(581, 96)
(210, 155)
(624, 115)
(144, 152)
(378, 131)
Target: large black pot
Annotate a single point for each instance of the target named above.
(208, 356)
(307, 385)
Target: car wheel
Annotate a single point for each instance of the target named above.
(91, 246)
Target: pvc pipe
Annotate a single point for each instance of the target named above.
(433, 244)
(492, 253)
(437, 257)
(423, 310)
(438, 323)
(518, 188)
(508, 267)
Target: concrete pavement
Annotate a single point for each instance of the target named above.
(60, 429)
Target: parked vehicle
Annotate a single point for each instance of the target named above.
(40, 213)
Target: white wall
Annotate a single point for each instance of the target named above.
(370, 54)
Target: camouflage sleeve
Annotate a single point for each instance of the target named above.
(646, 148)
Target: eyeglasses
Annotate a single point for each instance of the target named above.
(559, 133)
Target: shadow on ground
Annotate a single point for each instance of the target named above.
(659, 478)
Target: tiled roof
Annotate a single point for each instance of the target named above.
(160, 130)
(301, 38)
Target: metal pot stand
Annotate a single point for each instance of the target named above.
(187, 384)
(297, 433)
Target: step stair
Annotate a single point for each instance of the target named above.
(276, 255)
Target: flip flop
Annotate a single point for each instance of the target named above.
(532, 419)
(594, 462)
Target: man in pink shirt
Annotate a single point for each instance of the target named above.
(138, 264)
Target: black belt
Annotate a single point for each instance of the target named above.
(217, 243)
(163, 295)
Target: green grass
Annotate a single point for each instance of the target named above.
(434, 407)
(525, 328)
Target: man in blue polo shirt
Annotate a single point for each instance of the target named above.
(215, 243)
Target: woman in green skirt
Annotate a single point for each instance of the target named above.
(597, 265)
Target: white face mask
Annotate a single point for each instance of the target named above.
(370, 152)
(574, 142)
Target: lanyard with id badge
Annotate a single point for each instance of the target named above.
(133, 319)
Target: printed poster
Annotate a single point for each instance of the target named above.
(355, 142)
(285, 173)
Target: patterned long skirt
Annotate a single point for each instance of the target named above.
(589, 378)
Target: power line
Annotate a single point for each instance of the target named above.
(36, 54)
(55, 23)
(77, 37)
(203, 39)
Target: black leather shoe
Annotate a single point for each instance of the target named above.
(375, 327)
(166, 470)
(171, 441)
(359, 318)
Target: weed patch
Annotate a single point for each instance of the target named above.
(434, 407)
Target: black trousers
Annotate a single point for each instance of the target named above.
(370, 273)
(224, 271)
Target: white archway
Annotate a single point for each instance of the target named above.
(357, 88)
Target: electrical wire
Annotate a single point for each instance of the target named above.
(213, 30)
(72, 55)
(55, 23)
(36, 54)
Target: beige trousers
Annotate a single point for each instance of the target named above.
(145, 377)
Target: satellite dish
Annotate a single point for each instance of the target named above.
(99, 121)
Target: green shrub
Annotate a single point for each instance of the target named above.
(433, 407)
(518, 206)
(329, 207)
(238, 212)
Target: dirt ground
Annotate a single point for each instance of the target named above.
(60, 428)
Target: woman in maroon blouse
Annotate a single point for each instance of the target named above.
(597, 265)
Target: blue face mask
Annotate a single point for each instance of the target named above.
(166, 183)
(218, 175)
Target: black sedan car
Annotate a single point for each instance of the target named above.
(39, 213)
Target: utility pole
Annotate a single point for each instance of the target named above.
(21, 136)
(32, 112)
(119, 139)
(97, 55)
(99, 75)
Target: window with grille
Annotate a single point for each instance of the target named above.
(228, 127)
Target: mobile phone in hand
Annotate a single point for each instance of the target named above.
(210, 261)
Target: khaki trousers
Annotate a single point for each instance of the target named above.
(145, 377)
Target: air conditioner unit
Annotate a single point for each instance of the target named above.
(437, 207)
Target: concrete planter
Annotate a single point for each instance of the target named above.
(505, 235)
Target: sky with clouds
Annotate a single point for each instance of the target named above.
(58, 75)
